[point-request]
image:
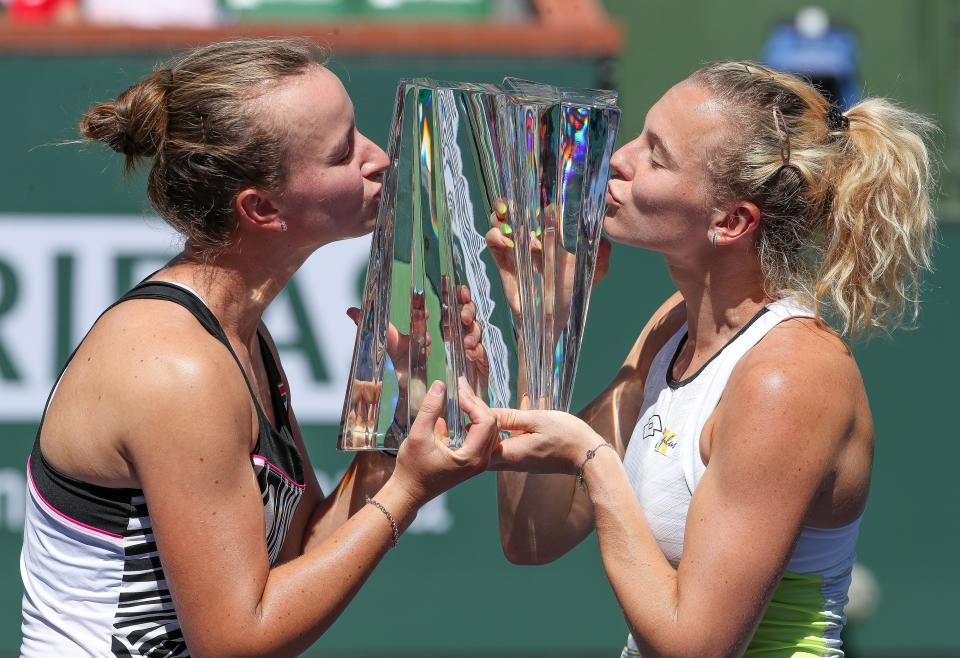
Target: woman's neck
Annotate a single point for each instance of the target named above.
(720, 298)
(237, 289)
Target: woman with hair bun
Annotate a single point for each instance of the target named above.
(726, 467)
(173, 509)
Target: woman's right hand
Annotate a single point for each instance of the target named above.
(500, 242)
(426, 466)
(501, 246)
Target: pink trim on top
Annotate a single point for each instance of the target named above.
(33, 487)
(282, 474)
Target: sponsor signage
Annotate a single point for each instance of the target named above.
(58, 273)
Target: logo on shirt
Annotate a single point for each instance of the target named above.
(666, 442)
(653, 427)
(666, 439)
(282, 390)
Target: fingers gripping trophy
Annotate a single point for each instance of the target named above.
(483, 256)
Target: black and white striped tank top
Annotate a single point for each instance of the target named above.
(92, 576)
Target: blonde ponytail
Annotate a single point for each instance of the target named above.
(847, 224)
(881, 223)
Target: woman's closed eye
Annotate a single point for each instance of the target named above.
(346, 153)
(654, 159)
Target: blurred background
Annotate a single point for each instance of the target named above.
(74, 234)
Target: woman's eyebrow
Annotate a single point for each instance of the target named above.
(352, 128)
(346, 138)
(657, 142)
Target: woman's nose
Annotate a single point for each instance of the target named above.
(620, 163)
(374, 158)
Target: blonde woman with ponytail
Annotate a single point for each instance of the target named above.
(726, 467)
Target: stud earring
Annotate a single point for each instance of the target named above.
(283, 228)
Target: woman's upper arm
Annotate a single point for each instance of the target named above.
(190, 450)
(776, 438)
(614, 411)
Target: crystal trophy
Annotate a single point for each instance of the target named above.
(458, 152)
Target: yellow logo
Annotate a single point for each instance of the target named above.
(666, 442)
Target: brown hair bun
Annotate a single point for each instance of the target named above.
(135, 122)
(199, 118)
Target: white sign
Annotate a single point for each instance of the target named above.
(58, 273)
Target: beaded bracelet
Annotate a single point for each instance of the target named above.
(394, 528)
(590, 455)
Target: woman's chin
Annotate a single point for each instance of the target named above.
(368, 226)
(626, 238)
(615, 231)
(361, 229)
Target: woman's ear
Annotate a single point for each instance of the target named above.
(256, 207)
(738, 222)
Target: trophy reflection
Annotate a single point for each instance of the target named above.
(483, 254)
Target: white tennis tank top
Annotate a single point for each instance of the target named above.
(664, 466)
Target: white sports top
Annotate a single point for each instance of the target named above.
(663, 463)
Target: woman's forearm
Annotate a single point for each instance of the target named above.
(541, 516)
(646, 585)
(303, 597)
(535, 509)
(544, 516)
(367, 474)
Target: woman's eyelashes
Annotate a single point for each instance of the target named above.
(652, 159)
(346, 152)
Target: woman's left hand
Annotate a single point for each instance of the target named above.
(542, 442)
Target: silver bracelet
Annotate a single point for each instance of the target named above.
(590, 455)
(394, 528)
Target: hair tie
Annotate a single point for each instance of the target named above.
(836, 121)
(783, 135)
(124, 143)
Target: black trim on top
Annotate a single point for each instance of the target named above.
(675, 384)
(275, 381)
(103, 508)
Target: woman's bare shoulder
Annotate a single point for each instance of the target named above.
(805, 345)
(801, 365)
(156, 350)
(154, 337)
(147, 366)
(797, 399)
